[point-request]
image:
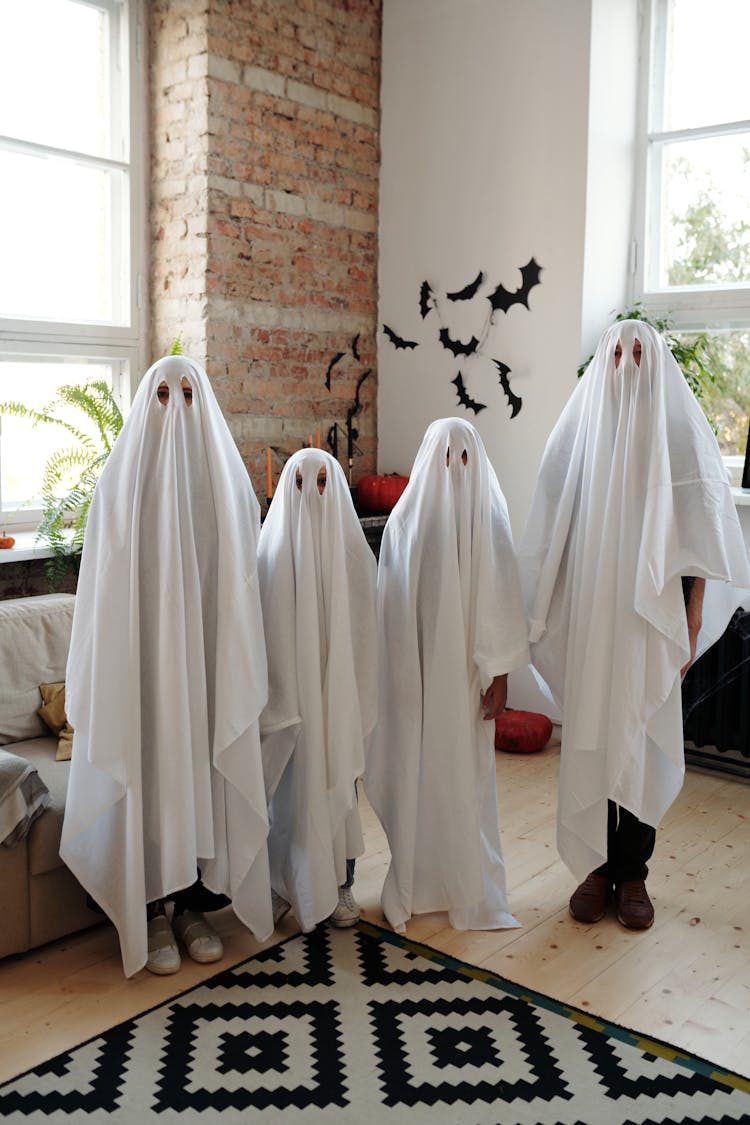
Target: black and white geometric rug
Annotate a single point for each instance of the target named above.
(360, 1026)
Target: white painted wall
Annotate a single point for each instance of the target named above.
(484, 147)
(507, 131)
(494, 151)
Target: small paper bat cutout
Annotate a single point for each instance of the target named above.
(426, 299)
(355, 347)
(455, 346)
(514, 401)
(468, 291)
(503, 299)
(465, 399)
(398, 341)
(331, 365)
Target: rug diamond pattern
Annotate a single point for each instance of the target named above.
(359, 1027)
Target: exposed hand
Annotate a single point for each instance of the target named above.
(693, 631)
(694, 613)
(494, 699)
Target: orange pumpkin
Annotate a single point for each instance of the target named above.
(6, 541)
(379, 493)
(522, 732)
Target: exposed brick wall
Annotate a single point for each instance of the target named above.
(265, 143)
(178, 107)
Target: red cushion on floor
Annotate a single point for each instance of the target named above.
(522, 731)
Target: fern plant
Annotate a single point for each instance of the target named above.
(70, 474)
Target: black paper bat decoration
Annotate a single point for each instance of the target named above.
(355, 347)
(455, 346)
(504, 299)
(468, 291)
(514, 401)
(426, 299)
(357, 404)
(331, 365)
(398, 341)
(465, 399)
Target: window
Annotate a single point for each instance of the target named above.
(72, 225)
(693, 227)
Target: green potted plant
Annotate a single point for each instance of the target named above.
(70, 474)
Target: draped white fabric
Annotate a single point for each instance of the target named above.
(632, 494)
(166, 674)
(318, 581)
(450, 620)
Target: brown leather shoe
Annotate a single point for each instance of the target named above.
(634, 908)
(588, 903)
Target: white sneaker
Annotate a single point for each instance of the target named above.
(347, 912)
(163, 954)
(199, 938)
(279, 906)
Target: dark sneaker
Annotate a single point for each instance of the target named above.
(634, 908)
(588, 903)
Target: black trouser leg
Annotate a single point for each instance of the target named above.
(198, 898)
(630, 845)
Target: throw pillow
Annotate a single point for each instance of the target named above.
(53, 713)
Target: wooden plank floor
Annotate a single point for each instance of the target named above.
(686, 980)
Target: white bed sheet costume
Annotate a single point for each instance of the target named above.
(318, 589)
(167, 674)
(450, 619)
(632, 494)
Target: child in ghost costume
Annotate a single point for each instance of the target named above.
(632, 496)
(451, 628)
(317, 581)
(166, 678)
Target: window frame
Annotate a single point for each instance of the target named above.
(126, 343)
(695, 307)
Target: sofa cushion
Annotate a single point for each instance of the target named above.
(44, 839)
(34, 641)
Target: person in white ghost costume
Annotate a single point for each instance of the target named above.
(632, 496)
(451, 628)
(167, 677)
(318, 581)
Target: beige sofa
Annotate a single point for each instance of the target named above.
(40, 899)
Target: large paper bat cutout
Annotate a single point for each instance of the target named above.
(398, 341)
(331, 365)
(455, 346)
(468, 291)
(514, 401)
(465, 399)
(426, 299)
(503, 299)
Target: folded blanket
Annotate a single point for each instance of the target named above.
(23, 797)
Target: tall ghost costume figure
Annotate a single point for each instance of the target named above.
(167, 673)
(450, 620)
(632, 494)
(317, 581)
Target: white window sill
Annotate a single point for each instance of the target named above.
(24, 548)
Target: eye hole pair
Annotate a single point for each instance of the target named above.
(464, 457)
(162, 392)
(321, 481)
(636, 352)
